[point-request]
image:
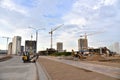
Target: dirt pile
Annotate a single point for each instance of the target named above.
(95, 58)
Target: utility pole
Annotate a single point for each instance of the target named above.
(7, 41)
(36, 34)
(51, 33)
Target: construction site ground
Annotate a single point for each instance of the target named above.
(113, 61)
(61, 71)
(107, 63)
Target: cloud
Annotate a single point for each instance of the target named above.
(109, 2)
(78, 16)
(69, 40)
(74, 20)
(10, 5)
(94, 15)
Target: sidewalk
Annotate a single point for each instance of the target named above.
(15, 69)
(106, 70)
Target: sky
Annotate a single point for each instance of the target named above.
(99, 19)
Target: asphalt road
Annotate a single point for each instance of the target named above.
(15, 69)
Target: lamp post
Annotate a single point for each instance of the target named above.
(36, 30)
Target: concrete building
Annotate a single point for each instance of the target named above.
(16, 46)
(115, 47)
(10, 48)
(22, 48)
(60, 47)
(82, 44)
(30, 46)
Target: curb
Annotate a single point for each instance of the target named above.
(42, 73)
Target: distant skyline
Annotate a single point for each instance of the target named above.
(78, 16)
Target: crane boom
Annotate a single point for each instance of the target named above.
(95, 33)
(51, 32)
(56, 28)
(91, 34)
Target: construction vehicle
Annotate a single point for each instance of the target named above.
(77, 55)
(30, 54)
(29, 58)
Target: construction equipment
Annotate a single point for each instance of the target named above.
(83, 42)
(77, 55)
(27, 57)
(51, 32)
(36, 35)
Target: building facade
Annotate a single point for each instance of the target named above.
(115, 47)
(60, 47)
(16, 46)
(30, 46)
(10, 48)
(82, 44)
(22, 48)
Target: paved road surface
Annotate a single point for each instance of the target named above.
(2, 55)
(15, 69)
(106, 70)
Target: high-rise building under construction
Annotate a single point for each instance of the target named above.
(30, 46)
(59, 46)
(82, 44)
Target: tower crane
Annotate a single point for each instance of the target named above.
(51, 33)
(85, 35)
(85, 43)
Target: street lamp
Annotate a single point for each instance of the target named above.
(36, 34)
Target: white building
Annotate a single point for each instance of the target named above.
(10, 48)
(60, 47)
(115, 47)
(16, 46)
